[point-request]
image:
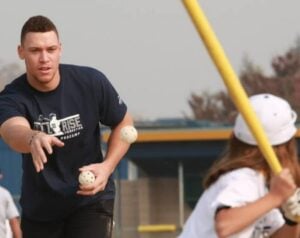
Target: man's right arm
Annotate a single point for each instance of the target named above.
(16, 132)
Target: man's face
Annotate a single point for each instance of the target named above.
(41, 53)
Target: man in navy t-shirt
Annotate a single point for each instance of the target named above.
(52, 115)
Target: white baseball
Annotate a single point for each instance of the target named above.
(129, 134)
(86, 178)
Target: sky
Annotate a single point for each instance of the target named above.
(150, 50)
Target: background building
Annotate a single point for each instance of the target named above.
(159, 180)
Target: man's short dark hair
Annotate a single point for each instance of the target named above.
(37, 23)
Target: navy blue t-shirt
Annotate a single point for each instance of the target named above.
(73, 113)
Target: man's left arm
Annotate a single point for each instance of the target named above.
(116, 149)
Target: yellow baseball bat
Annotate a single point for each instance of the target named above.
(235, 89)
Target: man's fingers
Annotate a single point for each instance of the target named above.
(88, 190)
(38, 165)
(47, 147)
(86, 193)
(48, 144)
(38, 161)
(57, 142)
(40, 154)
(42, 144)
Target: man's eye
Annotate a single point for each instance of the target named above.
(51, 50)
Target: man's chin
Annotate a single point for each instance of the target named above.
(44, 79)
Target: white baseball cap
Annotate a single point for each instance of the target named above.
(276, 116)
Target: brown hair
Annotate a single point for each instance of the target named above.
(241, 155)
(37, 24)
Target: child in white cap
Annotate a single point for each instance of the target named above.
(242, 197)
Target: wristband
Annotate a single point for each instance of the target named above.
(289, 222)
(32, 137)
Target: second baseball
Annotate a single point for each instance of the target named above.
(129, 134)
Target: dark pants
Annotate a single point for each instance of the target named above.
(92, 221)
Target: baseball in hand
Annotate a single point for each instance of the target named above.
(129, 134)
(86, 178)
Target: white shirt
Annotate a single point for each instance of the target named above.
(8, 210)
(8, 230)
(233, 189)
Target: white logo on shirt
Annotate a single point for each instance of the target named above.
(66, 128)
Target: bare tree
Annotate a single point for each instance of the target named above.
(284, 82)
(216, 107)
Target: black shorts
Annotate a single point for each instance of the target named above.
(91, 221)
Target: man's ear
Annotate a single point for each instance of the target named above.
(60, 46)
(20, 52)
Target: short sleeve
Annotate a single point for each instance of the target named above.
(11, 211)
(8, 107)
(275, 220)
(239, 188)
(12, 100)
(112, 106)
